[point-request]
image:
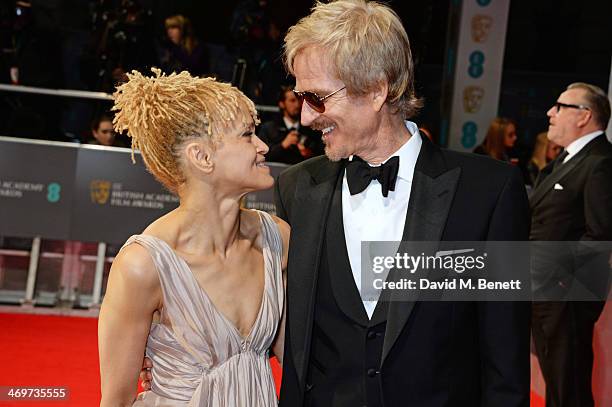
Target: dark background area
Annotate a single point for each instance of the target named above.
(549, 44)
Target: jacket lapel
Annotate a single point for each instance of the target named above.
(550, 178)
(548, 183)
(308, 218)
(431, 197)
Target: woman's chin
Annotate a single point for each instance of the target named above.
(261, 183)
(269, 183)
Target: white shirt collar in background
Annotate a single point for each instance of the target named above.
(578, 144)
(291, 124)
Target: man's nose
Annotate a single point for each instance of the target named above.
(308, 115)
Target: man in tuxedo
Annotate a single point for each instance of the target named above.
(289, 141)
(572, 201)
(380, 180)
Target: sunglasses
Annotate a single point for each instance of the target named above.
(315, 101)
(559, 105)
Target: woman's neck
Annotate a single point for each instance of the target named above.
(208, 222)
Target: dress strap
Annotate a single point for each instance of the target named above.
(273, 250)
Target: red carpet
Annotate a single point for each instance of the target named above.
(40, 350)
(536, 400)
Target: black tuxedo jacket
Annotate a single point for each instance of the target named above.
(575, 202)
(434, 354)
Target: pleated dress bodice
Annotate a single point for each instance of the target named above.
(199, 356)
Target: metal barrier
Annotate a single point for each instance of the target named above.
(82, 94)
(29, 297)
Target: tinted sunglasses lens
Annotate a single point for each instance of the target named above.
(299, 96)
(312, 99)
(314, 102)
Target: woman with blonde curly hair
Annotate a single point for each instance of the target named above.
(200, 291)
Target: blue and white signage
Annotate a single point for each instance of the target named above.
(478, 71)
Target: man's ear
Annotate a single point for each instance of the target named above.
(200, 155)
(379, 95)
(587, 115)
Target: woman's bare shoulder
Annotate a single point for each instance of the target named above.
(251, 219)
(163, 228)
(250, 223)
(283, 227)
(135, 266)
(133, 283)
(285, 232)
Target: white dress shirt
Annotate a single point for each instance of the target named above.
(368, 216)
(575, 146)
(289, 124)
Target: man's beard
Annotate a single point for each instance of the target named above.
(339, 151)
(337, 154)
(295, 117)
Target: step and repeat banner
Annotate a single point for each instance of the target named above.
(118, 197)
(36, 188)
(478, 71)
(89, 193)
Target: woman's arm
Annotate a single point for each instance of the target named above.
(279, 341)
(133, 294)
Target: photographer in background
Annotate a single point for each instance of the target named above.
(123, 39)
(289, 142)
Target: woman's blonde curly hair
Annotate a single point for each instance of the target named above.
(162, 112)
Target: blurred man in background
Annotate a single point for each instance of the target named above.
(289, 141)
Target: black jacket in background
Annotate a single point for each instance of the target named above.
(273, 133)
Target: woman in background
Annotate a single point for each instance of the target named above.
(500, 139)
(103, 133)
(181, 50)
(544, 151)
(201, 290)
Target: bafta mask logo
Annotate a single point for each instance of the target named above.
(100, 191)
(481, 26)
(472, 98)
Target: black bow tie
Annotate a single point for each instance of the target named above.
(359, 175)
